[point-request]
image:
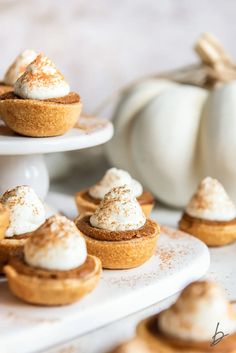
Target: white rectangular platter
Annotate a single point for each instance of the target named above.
(179, 259)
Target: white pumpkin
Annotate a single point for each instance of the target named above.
(169, 135)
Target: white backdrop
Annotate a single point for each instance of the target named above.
(100, 45)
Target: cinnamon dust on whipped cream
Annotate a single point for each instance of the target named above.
(27, 211)
(56, 245)
(211, 202)
(118, 211)
(41, 80)
(19, 66)
(197, 311)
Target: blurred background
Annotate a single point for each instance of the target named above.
(102, 45)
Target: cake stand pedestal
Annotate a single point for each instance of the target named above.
(22, 161)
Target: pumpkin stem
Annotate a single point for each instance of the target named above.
(218, 64)
(216, 67)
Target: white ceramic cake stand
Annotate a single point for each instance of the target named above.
(22, 161)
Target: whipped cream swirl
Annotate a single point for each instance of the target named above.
(112, 178)
(197, 311)
(41, 80)
(27, 211)
(18, 67)
(118, 211)
(56, 245)
(211, 202)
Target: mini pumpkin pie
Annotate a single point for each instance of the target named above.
(210, 214)
(16, 69)
(25, 214)
(89, 199)
(41, 104)
(118, 231)
(190, 324)
(55, 268)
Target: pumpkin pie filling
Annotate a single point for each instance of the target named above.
(144, 199)
(148, 230)
(80, 272)
(20, 236)
(6, 242)
(3, 84)
(227, 345)
(70, 98)
(196, 220)
(11, 246)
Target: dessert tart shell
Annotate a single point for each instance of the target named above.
(213, 233)
(11, 247)
(147, 209)
(87, 206)
(122, 254)
(39, 118)
(35, 289)
(4, 220)
(84, 206)
(147, 330)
